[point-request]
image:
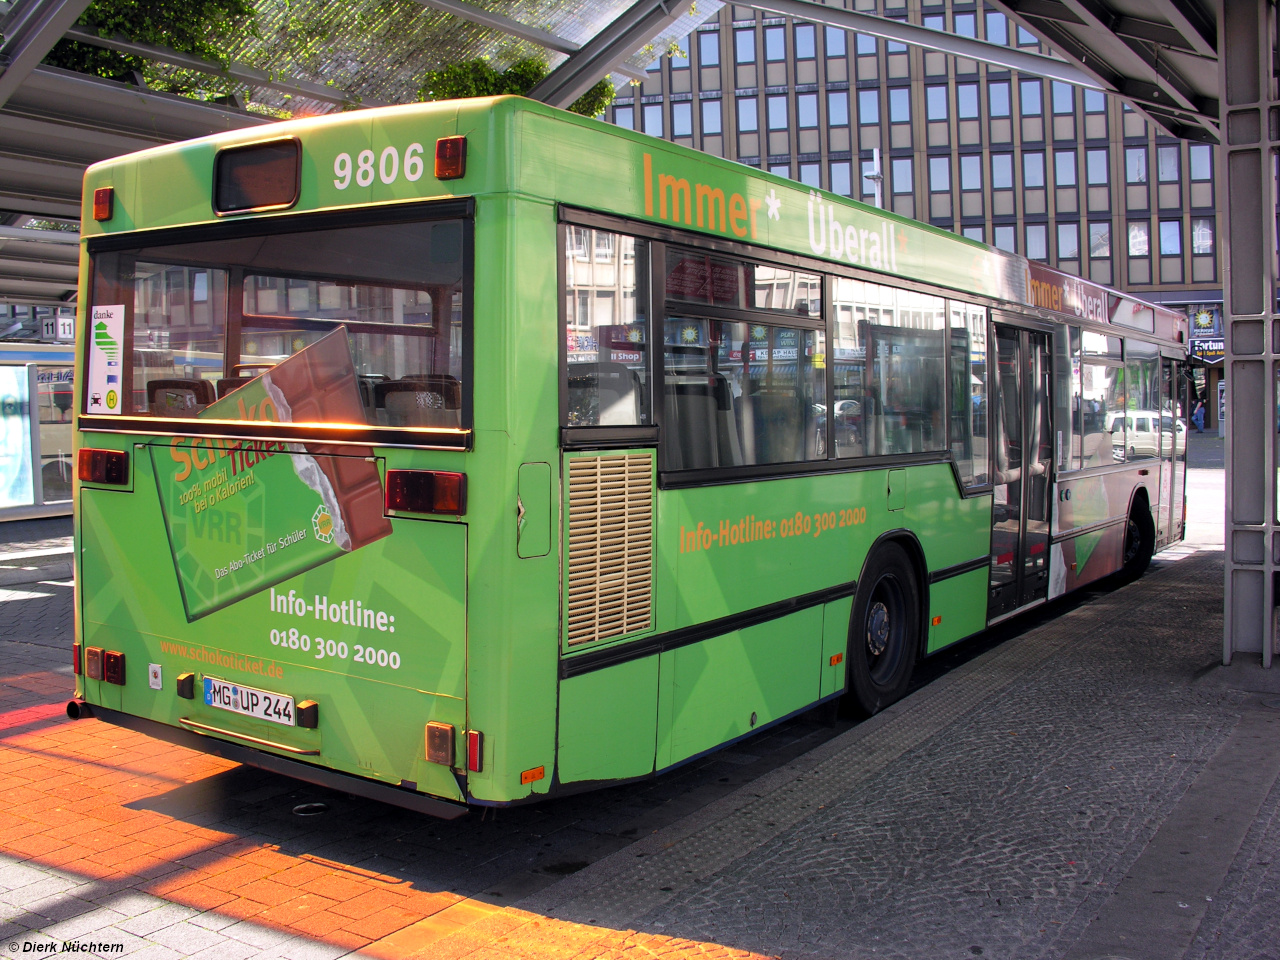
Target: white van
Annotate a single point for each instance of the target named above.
(1142, 429)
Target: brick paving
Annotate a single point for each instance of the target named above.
(993, 813)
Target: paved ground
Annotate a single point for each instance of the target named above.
(1086, 783)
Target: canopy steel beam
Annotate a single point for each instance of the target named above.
(1144, 56)
(603, 54)
(1191, 22)
(241, 72)
(991, 53)
(1133, 28)
(1141, 64)
(1153, 91)
(30, 31)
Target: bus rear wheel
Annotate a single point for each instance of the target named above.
(884, 632)
(1139, 541)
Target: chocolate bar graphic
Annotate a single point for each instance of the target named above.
(318, 385)
(244, 515)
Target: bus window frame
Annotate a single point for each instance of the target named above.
(244, 226)
(601, 437)
(1164, 349)
(651, 435)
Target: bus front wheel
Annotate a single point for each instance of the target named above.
(884, 632)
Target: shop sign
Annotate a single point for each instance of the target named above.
(1208, 349)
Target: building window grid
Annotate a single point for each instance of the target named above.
(1172, 166)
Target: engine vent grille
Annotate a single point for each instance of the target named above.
(610, 576)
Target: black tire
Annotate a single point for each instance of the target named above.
(1139, 542)
(884, 632)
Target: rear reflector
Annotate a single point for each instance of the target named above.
(103, 466)
(104, 203)
(113, 667)
(426, 491)
(451, 158)
(75, 659)
(475, 751)
(440, 743)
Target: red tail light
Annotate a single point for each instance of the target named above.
(426, 491)
(451, 158)
(104, 466)
(475, 751)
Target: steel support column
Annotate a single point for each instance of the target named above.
(1249, 99)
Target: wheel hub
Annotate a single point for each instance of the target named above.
(877, 628)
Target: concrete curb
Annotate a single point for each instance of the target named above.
(34, 566)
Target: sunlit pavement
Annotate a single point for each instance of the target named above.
(124, 845)
(93, 850)
(1048, 798)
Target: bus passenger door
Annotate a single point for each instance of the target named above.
(1023, 474)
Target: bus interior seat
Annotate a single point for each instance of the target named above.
(368, 396)
(618, 389)
(699, 424)
(178, 397)
(777, 422)
(228, 384)
(421, 400)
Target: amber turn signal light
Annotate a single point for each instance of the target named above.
(451, 158)
(103, 466)
(426, 491)
(104, 203)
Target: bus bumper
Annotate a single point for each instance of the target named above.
(308, 773)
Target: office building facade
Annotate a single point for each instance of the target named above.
(1067, 176)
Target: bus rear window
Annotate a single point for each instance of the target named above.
(203, 319)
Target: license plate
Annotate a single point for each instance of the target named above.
(247, 700)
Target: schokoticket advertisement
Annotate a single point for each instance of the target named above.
(290, 506)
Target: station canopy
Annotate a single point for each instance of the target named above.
(316, 56)
(301, 59)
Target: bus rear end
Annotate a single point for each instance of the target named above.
(273, 454)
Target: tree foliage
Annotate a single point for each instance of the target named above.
(479, 78)
(190, 26)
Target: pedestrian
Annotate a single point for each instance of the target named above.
(1197, 415)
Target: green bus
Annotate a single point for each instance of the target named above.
(474, 452)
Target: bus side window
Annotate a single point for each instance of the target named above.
(605, 330)
(968, 359)
(604, 394)
(737, 393)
